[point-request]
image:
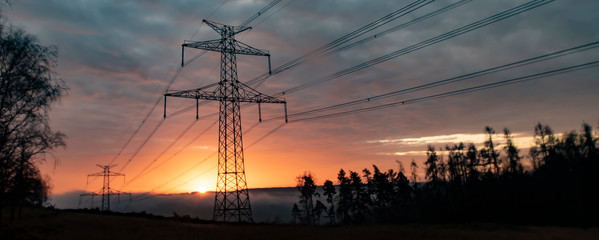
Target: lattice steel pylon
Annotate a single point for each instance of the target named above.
(106, 191)
(232, 202)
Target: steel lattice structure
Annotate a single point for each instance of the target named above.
(232, 202)
(106, 190)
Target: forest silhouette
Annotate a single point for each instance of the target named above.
(555, 183)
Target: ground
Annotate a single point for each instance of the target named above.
(59, 224)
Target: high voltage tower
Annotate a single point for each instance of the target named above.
(106, 191)
(232, 202)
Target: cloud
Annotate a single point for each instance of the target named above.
(117, 56)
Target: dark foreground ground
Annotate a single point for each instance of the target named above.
(56, 224)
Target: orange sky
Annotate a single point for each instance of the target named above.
(117, 59)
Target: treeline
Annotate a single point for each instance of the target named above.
(557, 182)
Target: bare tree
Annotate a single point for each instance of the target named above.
(28, 88)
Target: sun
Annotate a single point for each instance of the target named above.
(201, 189)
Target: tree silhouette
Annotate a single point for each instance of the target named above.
(329, 191)
(514, 167)
(413, 169)
(481, 186)
(490, 155)
(345, 197)
(28, 88)
(307, 189)
(472, 164)
(296, 213)
(360, 198)
(544, 139)
(319, 208)
(432, 163)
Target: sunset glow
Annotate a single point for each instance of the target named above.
(118, 62)
(202, 189)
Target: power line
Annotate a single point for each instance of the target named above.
(337, 42)
(458, 92)
(401, 26)
(463, 77)
(176, 153)
(458, 34)
(470, 27)
(143, 144)
(264, 136)
(180, 68)
(142, 173)
(343, 39)
(443, 37)
(261, 79)
(163, 152)
(267, 17)
(259, 13)
(211, 155)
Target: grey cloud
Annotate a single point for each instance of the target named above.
(116, 55)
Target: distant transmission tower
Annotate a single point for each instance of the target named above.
(232, 202)
(106, 190)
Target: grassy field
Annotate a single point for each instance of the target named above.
(56, 224)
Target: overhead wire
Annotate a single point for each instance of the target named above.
(458, 92)
(401, 26)
(142, 173)
(275, 12)
(162, 153)
(419, 99)
(345, 38)
(261, 79)
(212, 155)
(504, 67)
(466, 90)
(259, 13)
(342, 40)
(191, 107)
(166, 88)
(431, 41)
(143, 144)
(462, 91)
(178, 151)
(448, 35)
(159, 99)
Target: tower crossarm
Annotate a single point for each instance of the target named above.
(246, 96)
(210, 45)
(242, 48)
(217, 46)
(225, 30)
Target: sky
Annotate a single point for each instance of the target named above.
(117, 58)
